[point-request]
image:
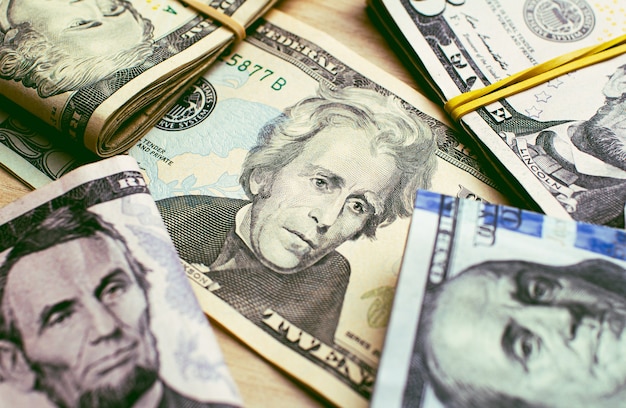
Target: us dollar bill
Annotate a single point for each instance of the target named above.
(34, 152)
(103, 72)
(561, 140)
(194, 158)
(96, 308)
(497, 306)
(260, 216)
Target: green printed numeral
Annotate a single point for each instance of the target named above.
(237, 61)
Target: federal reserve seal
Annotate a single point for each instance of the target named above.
(193, 107)
(559, 20)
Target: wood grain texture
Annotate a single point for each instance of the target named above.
(347, 21)
(10, 188)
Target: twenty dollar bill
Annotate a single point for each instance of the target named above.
(103, 72)
(285, 176)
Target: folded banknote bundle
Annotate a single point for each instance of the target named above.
(562, 140)
(102, 73)
(497, 306)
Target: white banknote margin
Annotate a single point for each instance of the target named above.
(560, 249)
(218, 386)
(397, 349)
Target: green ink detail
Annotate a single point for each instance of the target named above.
(379, 311)
(170, 10)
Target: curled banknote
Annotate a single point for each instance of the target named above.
(103, 72)
(497, 306)
(96, 310)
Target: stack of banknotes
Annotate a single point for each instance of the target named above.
(103, 72)
(563, 140)
(286, 178)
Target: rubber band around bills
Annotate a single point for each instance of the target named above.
(226, 21)
(533, 76)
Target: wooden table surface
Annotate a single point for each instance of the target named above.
(260, 384)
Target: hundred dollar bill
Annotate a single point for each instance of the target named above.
(103, 72)
(286, 176)
(497, 306)
(562, 140)
(96, 310)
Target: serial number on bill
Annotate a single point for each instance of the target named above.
(258, 71)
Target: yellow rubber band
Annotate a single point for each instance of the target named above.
(227, 21)
(534, 76)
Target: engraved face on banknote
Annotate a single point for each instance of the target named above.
(76, 328)
(604, 134)
(550, 129)
(319, 201)
(76, 43)
(584, 161)
(518, 333)
(330, 169)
